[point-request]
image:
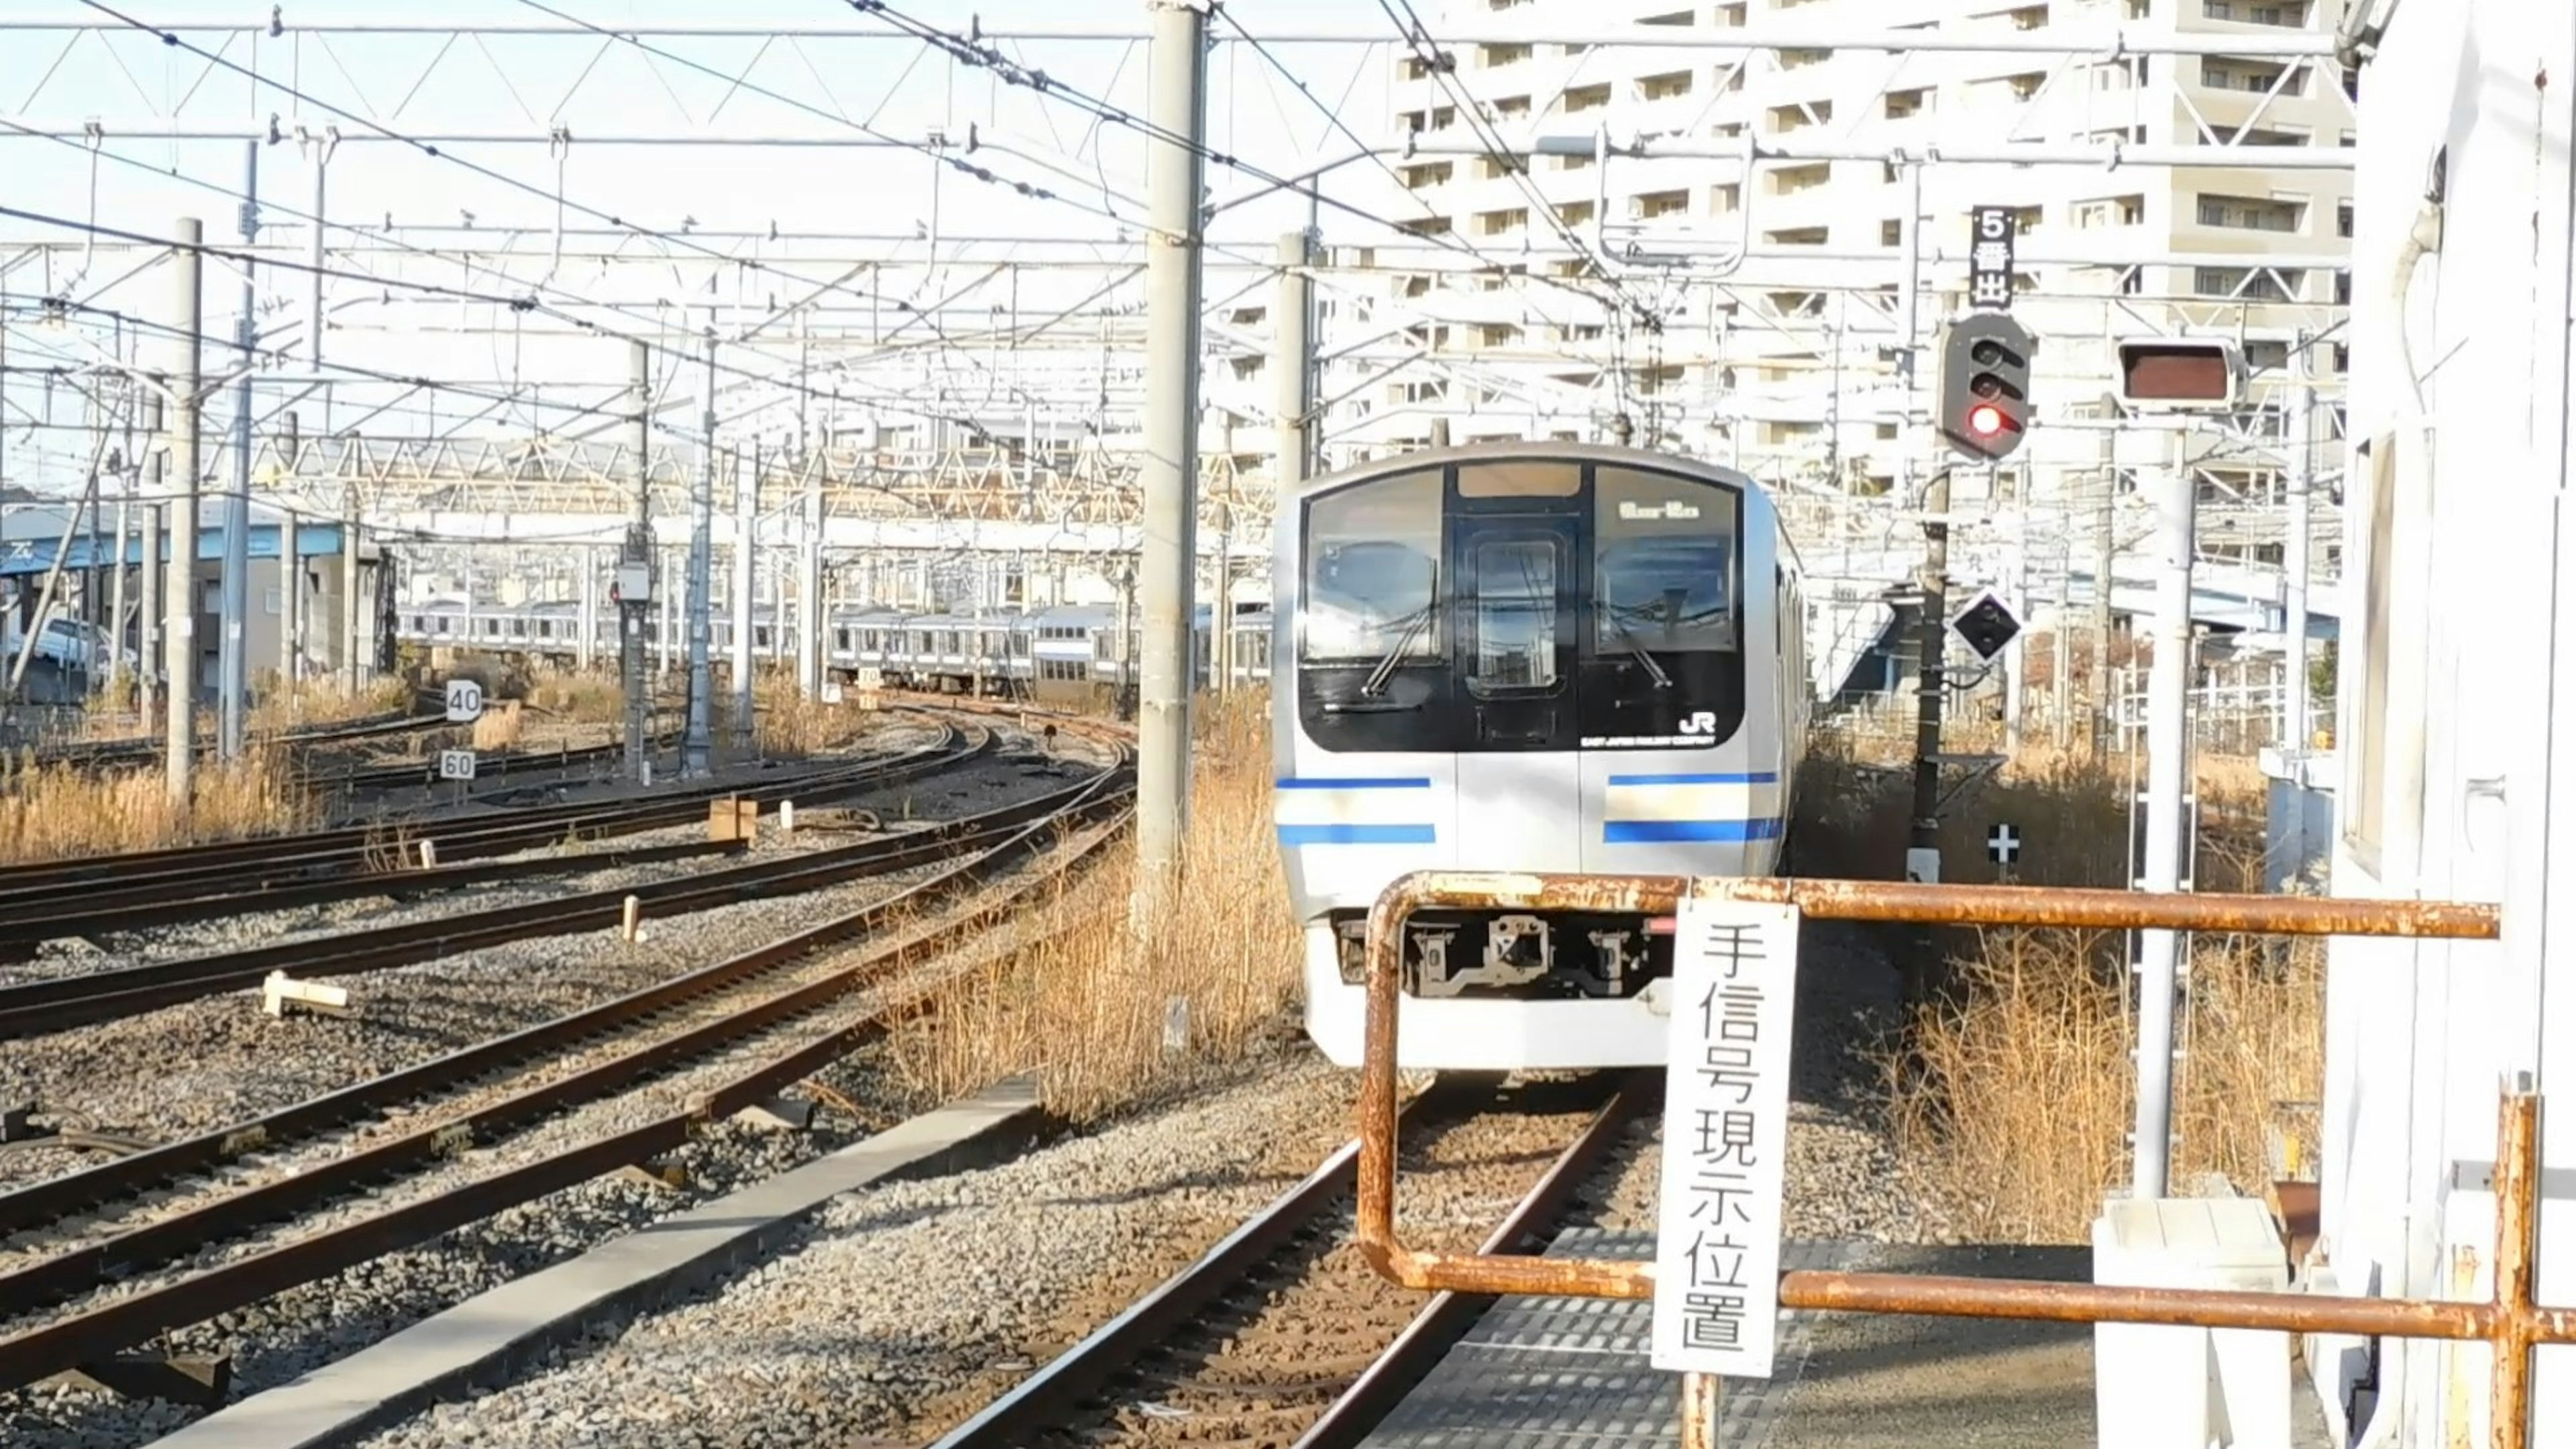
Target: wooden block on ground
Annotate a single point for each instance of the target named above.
(791, 1114)
(202, 1383)
(733, 818)
(281, 991)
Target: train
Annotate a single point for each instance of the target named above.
(1066, 654)
(1526, 656)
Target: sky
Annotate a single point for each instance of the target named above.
(494, 99)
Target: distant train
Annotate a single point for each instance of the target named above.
(1526, 657)
(1069, 653)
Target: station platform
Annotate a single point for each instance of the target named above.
(1572, 1373)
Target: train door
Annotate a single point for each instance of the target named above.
(1519, 575)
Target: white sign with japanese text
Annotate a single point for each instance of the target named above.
(1726, 1138)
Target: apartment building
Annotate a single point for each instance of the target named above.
(1762, 316)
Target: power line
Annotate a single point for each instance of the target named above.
(214, 58)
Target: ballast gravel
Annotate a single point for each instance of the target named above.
(900, 1294)
(199, 1065)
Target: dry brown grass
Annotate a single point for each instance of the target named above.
(323, 702)
(2021, 1095)
(501, 726)
(1087, 1009)
(789, 724)
(583, 697)
(2015, 1091)
(54, 812)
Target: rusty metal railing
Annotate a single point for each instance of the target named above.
(2511, 1321)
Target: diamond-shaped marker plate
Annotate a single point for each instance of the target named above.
(1987, 625)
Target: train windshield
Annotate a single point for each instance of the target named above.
(1664, 576)
(1372, 571)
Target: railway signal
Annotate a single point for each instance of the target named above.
(1984, 389)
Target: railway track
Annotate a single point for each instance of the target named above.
(1279, 1332)
(56, 1003)
(59, 900)
(701, 1047)
(144, 751)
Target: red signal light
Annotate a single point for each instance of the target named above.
(1985, 420)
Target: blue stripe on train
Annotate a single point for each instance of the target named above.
(1356, 835)
(1647, 832)
(1365, 782)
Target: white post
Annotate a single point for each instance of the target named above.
(695, 745)
(1176, 89)
(2168, 728)
(2294, 553)
(233, 644)
(746, 556)
(179, 632)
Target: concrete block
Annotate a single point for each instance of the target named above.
(2158, 1387)
(281, 991)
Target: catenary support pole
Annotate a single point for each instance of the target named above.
(2168, 724)
(353, 614)
(233, 645)
(633, 613)
(313, 324)
(1923, 840)
(814, 616)
(586, 645)
(179, 632)
(290, 599)
(746, 563)
(1176, 89)
(1293, 360)
(149, 570)
(2295, 730)
(702, 504)
(116, 577)
(2106, 710)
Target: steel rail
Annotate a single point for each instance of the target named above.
(95, 754)
(122, 1177)
(458, 836)
(54, 1004)
(87, 914)
(30, 915)
(1054, 1395)
(1445, 1319)
(82, 1337)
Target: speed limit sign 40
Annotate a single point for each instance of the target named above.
(464, 701)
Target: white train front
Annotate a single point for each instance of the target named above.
(1526, 657)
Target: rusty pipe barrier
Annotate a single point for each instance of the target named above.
(2511, 1322)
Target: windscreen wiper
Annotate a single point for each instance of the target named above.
(1376, 684)
(1654, 671)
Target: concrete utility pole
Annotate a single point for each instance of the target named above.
(1294, 361)
(148, 572)
(233, 668)
(2168, 777)
(1923, 840)
(127, 467)
(353, 629)
(814, 619)
(702, 507)
(633, 613)
(179, 633)
(1177, 92)
(2295, 729)
(322, 148)
(746, 556)
(290, 566)
(2106, 714)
